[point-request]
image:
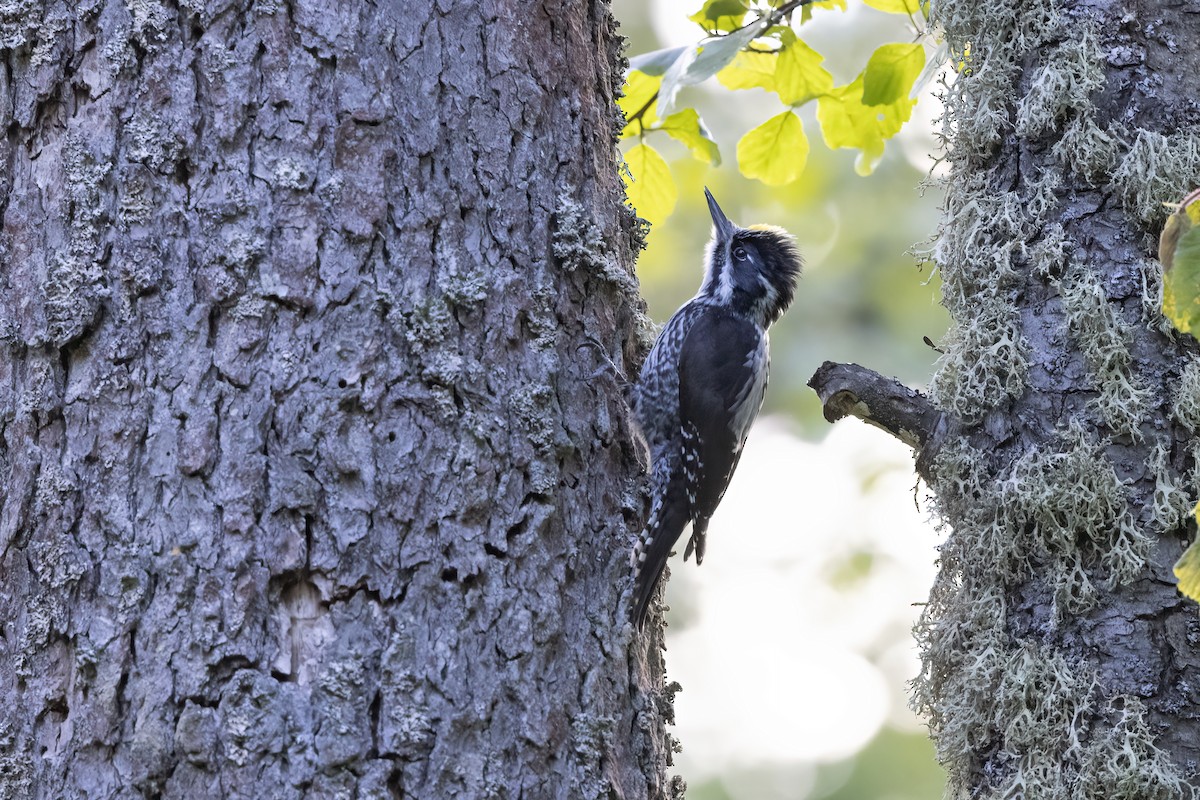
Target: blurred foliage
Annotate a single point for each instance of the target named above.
(895, 765)
(753, 44)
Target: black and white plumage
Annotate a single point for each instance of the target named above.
(702, 386)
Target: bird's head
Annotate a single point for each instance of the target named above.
(753, 270)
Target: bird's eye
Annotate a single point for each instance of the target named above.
(739, 253)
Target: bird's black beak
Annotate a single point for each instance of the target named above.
(720, 221)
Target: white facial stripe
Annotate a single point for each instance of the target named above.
(725, 280)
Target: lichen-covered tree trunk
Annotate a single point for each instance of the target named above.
(1060, 436)
(1059, 660)
(307, 490)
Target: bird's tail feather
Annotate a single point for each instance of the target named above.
(666, 523)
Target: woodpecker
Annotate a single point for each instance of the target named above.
(702, 386)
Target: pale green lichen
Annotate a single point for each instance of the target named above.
(53, 25)
(118, 53)
(19, 19)
(964, 624)
(1041, 706)
(84, 175)
(1123, 763)
(1103, 339)
(241, 252)
(1173, 499)
(1070, 501)
(1152, 297)
(988, 39)
(981, 234)
(147, 141)
(1016, 711)
(1060, 101)
(428, 324)
(250, 307)
(532, 409)
(1157, 169)
(137, 203)
(1049, 252)
(1185, 404)
(1088, 150)
(1015, 717)
(544, 325)
(579, 246)
(985, 362)
(72, 293)
(151, 20)
(465, 290)
(75, 283)
(1062, 86)
(291, 173)
(591, 739)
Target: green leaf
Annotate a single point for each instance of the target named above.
(799, 76)
(774, 152)
(685, 127)
(794, 72)
(806, 12)
(648, 185)
(1181, 285)
(750, 69)
(896, 6)
(1187, 568)
(639, 94)
(890, 73)
(847, 122)
(702, 61)
(1179, 252)
(720, 15)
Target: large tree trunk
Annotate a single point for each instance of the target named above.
(1058, 659)
(305, 490)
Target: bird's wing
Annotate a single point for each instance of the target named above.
(722, 381)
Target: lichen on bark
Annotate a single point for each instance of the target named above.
(1051, 645)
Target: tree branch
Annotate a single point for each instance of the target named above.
(848, 390)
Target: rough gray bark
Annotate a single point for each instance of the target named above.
(305, 492)
(1059, 661)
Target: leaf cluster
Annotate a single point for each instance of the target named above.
(753, 44)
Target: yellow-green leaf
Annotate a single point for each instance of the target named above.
(794, 72)
(750, 69)
(806, 11)
(648, 184)
(685, 127)
(774, 152)
(1181, 285)
(1187, 568)
(1177, 225)
(640, 90)
(720, 15)
(890, 73)
(799, 76)
(847, 122)
(896, 6)
(1179, 252)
